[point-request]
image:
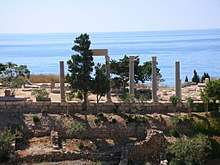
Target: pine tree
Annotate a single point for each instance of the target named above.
(80, 67)
(195, 78)
(186, 79)
(101, 83)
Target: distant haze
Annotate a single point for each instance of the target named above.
(50, 16)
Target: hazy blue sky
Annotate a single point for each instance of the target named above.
(37, 16)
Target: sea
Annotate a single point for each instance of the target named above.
(195, 49)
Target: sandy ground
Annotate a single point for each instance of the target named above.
(164, 93)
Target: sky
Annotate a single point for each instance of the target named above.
(51, 16)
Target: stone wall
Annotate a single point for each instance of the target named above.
(60, 108)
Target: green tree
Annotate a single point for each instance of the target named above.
(204, 76)
(186, 79)
(13, 75)
(120, 70)
(101, 83)
(211, 91)
(80, 67)
(195, 77)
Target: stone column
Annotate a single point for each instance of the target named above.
(177, 80)
(62, 80)
(107, 65)
(154, 79)
(131, 75)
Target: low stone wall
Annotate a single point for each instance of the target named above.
(71, 108)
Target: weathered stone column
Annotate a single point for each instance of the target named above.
(131, 75)
(154, 79)
(107, 65)
(177, 79)
(62, 80)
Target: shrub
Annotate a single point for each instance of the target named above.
(195, 77)
(193, 151)
(174, 100)
(40, 94)
(173, 132)
(36, 119)
(76, 127)
(215, 149)
(114, 121)
(6, 140)
(211, 92)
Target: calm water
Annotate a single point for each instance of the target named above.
(197, 49)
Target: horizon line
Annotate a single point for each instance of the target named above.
(134, 31)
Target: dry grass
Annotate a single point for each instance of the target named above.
(44, 78)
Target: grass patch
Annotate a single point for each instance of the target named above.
(44, 78)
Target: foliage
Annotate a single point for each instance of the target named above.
(195, 77)
(186, 79)
(215, 148)
(207, 125)
(100, 119)
(174, 100)
(136, 119)
(101, 83)
(190, 102)
(120, 69)
(36, 119)
(6, 140)
(211, 92)
(41, 94)
(192, 151)
(204, 76)
(72, 94)
(174, 132)
(13, 75)
(76, 128)
(80, 67)
(127, 98)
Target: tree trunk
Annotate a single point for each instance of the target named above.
(85, 102)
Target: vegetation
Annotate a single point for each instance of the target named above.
(41, 94)
(13, 76)
(186, 79)
(174, 100)
(36, 119)
(44, 78)
(192, 151)
(190, 104)
(80, 67)
(195, 77)
(6, 140)
(101, 83)
(76, 128)
(204, 76)
(120, 70)
(211, 92)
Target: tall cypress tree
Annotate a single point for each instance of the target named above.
(80, 67)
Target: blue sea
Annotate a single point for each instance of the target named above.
(195, 49)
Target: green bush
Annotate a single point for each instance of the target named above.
(211, 92)
(76, 127)
(174, 100)
(193, 151)
(173, 132)
(6, 140)
(36, 119)
(215, 149)
(207, 126)
(41, 94)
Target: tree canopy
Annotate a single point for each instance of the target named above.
(120, 70)
(80, 66)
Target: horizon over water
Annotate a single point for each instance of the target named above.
(195, 49)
